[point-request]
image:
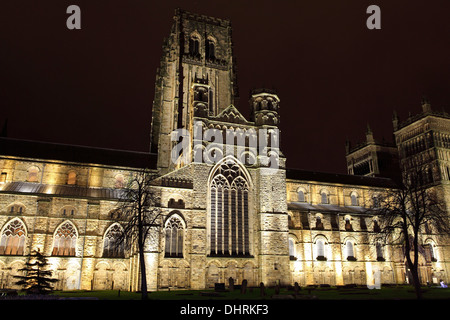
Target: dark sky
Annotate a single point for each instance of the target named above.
(95, 86)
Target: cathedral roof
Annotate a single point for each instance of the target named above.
(304, 175)
(74, 153)
(303, 206)
(68, 191)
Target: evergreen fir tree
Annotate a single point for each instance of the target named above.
(36, 280)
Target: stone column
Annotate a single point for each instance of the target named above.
(151, 256)
(273, 219)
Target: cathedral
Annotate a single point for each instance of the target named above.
(229, 210)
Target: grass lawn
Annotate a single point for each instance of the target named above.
(331, 293)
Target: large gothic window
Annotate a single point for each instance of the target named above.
(229, 216)
(112, 248)
(12, 241)
(174, 230)
(65, 239)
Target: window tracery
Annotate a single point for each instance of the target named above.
(13, 237)
(112, 248)
(194, 44)
(64, 242)
(174, 230)
(229, 215)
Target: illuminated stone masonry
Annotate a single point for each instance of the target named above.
(229, 210)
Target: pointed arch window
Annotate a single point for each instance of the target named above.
(229, 212)
(174, 230)
(12, 241)
(112, 247)
(194, 43)
(210, 49)
(64, 242)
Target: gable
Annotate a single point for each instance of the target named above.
(231, 114)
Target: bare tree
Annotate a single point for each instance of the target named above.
(408, 213)
(139, 214)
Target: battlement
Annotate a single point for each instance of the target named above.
(201, 18)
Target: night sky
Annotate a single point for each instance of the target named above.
(334, 76)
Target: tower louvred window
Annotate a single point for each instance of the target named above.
(210, 49)
(194, 43)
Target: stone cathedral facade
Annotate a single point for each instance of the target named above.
(226, 211)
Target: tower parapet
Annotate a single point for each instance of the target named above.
(264, 104)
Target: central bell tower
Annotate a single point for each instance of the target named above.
(197, 67)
